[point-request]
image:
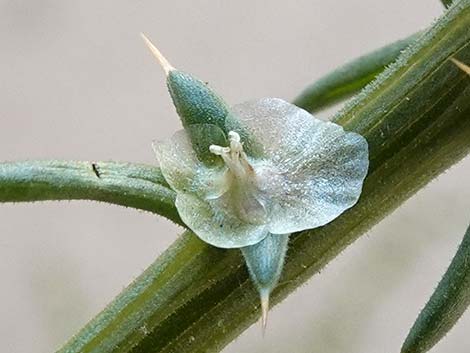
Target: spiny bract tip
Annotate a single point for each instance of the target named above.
(461, 65)
(158, 55)
(264, 296)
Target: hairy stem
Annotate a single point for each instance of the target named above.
(447, 3)
(131, 185)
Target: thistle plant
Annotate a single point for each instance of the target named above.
(266, 177)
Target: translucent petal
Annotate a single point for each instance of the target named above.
(214, 224)
(316, 168)
(181, 166)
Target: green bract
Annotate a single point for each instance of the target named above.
(303, 173)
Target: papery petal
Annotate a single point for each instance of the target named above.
(214, 224)
(316, 168)
(181, 166)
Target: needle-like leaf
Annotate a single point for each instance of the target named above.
(350, 78)
(446, 305)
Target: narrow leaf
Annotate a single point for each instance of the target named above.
(131, 185)
(345, 81)
(446, 305)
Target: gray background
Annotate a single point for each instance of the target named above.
(76, 82)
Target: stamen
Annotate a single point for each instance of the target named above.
(240, 181)
(235, 145)
(233, 136)
(219, 150)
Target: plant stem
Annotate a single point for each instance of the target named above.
(131, 185)
(343, 82)
(447, 3)
(416, 118)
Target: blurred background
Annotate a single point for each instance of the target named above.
(76, 82)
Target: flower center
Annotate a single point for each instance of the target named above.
(240, 180)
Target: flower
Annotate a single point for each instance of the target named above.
(249, 176)
(278, 170)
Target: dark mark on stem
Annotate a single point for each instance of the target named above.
(95, 168)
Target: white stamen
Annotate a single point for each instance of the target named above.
(233, 152)
(241, 180)
(219, 150)
(233, 136)
(235, 145)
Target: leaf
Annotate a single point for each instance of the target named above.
(132, 185)
(348, 79)
(446, 305)
(196, 298)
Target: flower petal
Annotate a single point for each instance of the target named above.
(215, 225)
(316, 168)
(180, 163)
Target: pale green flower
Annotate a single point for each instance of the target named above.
(249, 176)
(279, 171)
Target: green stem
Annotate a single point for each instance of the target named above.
(447, 3)
(130, 185)
(446, 305)
(416, 118)
(347, 80)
